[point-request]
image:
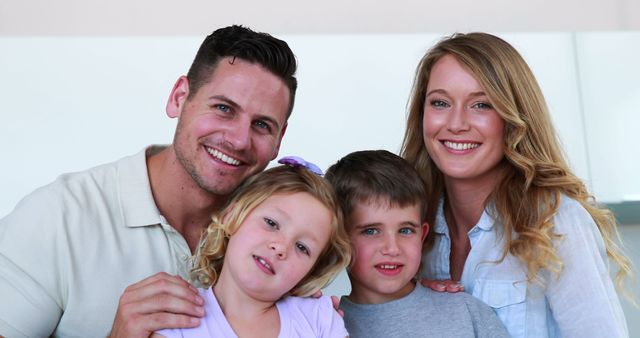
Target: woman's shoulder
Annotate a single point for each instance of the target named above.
(571, 213)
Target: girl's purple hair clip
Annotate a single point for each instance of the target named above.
(296, 161)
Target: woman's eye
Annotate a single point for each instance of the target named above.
(271, 223)
(302, 248)
(438, 104)
(482, 105)
(407, 231)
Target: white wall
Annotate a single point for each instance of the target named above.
(92, 100)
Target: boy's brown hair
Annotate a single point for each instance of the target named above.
(376, 176)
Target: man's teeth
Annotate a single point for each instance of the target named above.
(461, 146)
(388, 267)
(222, 157)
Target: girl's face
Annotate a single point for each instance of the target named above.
(277, 245)
(462, 131)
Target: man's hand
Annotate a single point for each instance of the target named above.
(442, 285)
(157, 302)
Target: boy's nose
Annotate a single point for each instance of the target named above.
(390, 246)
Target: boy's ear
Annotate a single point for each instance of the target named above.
(425, 230)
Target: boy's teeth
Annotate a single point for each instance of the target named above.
(388, 267)
(222, 157)
(460, 146)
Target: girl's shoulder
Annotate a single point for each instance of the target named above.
(307, 305)
(308, 317)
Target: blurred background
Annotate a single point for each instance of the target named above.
(85, 82)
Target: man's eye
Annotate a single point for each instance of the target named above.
(271, 223)
(262, 125)
(223, 108)
(302, 248)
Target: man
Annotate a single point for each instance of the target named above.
(69, 249)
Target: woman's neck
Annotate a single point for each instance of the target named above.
(464, 204)
(249, 317)
(465, 201)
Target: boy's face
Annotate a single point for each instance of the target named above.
(387, 243)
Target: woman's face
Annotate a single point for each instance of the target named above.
(462, 131)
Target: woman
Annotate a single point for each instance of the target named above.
(511, 222)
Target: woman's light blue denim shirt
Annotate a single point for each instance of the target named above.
(581, 302)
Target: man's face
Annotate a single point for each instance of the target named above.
(232, 126)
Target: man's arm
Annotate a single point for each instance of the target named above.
(159, 302)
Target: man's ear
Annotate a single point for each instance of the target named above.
(425, 231)
(276, 150)
(178, 97)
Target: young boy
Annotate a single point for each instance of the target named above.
(383, 200)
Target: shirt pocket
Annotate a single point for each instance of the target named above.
(508, 300)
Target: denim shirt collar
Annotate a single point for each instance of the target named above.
(486, 221)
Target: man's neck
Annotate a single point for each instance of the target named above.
(186, 206)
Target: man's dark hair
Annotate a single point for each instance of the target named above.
(243, 43)
(376, 176)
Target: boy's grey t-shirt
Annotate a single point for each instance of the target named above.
(423, 313)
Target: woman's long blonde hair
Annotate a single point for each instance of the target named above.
(535, 174)
(284, 179)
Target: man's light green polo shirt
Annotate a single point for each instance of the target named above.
(69, 249)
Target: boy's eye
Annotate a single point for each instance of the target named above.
(370, 231)
(407, 231)
(271, 223)
(302, 248)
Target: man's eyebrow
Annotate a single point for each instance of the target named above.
(225, 99)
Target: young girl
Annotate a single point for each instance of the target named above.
(279, 236)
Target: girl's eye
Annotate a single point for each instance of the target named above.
(302, 248)
(370, 231)
(407, 231)
(271, 223)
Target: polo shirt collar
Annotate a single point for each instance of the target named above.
(134, 192)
